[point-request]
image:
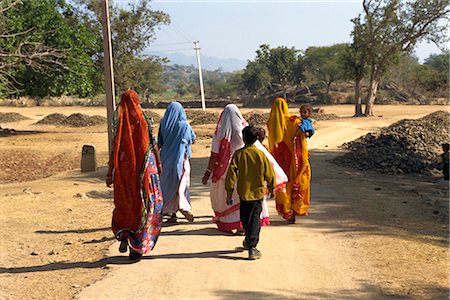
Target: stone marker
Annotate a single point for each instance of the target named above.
(88, 159)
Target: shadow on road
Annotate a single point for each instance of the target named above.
(345, 200)
(120, 260)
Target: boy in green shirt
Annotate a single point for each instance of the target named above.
(252, 170)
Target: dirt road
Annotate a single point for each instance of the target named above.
(323, 256)
(368, 236)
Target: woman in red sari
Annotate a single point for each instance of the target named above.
(291, 153)
(134, 168)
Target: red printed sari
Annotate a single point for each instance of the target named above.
(137, 193)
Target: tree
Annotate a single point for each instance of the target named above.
(132, 30)
(273, 70)
(45, 55)
(256, 78)
(392, 27)
(326, 63)
(144, 76)
(355, 62)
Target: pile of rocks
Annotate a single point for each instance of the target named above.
(257, 118)
(407, 146)
(198, 117)
(11, 117)
(324, 117)
(74, 120)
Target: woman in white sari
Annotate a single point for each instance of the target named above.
(226, 140)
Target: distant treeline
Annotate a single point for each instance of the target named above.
(54, 48)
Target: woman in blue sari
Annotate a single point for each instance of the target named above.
(174, 139)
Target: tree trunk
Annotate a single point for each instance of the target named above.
(373, 87)
(358, 106)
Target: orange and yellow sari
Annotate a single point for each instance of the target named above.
(292, 155)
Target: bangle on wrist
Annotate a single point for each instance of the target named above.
(208, 171)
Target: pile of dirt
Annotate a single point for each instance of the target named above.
(74, 120)
(257, 118)
(323, 117)
(198, 117)
(52, 119)
(156, 117)
(407, 146)
(11, 117)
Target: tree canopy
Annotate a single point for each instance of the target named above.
(45, 55)
(273, 70)
(392, 27)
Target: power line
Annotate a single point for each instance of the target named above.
(186, 36)
(170, 44)
(171, 50)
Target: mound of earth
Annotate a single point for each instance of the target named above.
(156, 117)
(323, 116)
(11, 117)
(198, 117)
(257, 118)
(52, 119)
(74, 120)
(407, 146)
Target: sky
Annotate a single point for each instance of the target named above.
(236, 29)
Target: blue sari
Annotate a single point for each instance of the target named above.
(174, 138)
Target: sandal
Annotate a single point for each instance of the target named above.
(173, 219)
(188, 215)
(123, 246)
(135, 255)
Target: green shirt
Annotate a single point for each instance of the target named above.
(251, 168)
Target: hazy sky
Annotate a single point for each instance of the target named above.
(235, 29)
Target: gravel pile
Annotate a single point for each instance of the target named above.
(74, 120)
(408, 146)
(52, 119)
(11, 117)
(257, 118)
(323, 117)
(198, 117)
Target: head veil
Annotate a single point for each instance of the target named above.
(227, 138)
(277, 122)
(175, 136)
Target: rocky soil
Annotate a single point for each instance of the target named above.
(407, 146)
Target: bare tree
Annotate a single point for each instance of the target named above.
(393, 27)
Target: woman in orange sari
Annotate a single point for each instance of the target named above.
(135, 162)
(292, 155)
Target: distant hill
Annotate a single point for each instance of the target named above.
(210, 63)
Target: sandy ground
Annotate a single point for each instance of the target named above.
(368, 236)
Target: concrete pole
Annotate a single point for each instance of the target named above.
(108, 71)
(202, 93)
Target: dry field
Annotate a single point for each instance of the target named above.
(369, 236)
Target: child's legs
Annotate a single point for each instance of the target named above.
(250, 217)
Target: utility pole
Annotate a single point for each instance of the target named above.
(202, 93)
(109, 72)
